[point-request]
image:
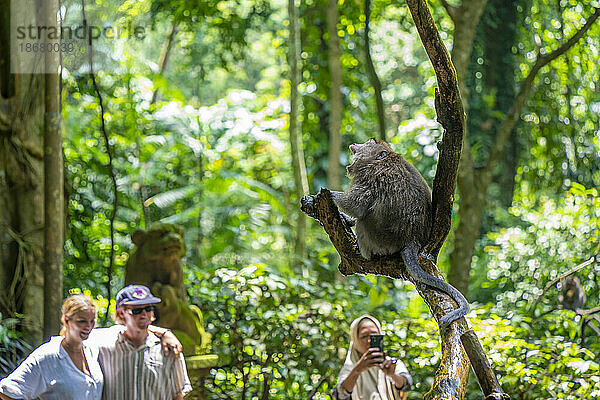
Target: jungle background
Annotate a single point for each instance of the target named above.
(197, 117)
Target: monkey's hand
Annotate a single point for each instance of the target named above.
(347, 220)
(308, 205)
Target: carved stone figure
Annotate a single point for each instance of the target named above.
(157, 257)
(156, 263)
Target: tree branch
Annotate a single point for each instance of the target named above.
(481, 366)
(322, 208)
(519, 102)
(372, 73)
(453, 371)
(586, 321)
(312, 393)
(164, 56)
(449, 109)
(589, 311)
(558, 278)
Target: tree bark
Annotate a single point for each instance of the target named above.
(300, 178)
(53, 186)
(22, 189)
(481, 366)
(7, 83)
(335, 104)
(465, 18)
(373, 77)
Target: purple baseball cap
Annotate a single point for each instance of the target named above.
(134, 295)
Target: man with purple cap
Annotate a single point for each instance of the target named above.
(132, 360)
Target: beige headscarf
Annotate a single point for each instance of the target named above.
(372, 384)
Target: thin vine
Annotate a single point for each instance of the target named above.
(110, 163)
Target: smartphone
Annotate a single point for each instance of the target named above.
(377, 342)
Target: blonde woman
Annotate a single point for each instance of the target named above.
(64, 368)
(367, 374)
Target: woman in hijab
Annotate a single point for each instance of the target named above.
(367, 374)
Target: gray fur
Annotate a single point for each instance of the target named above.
(391, 203)
(573, 296)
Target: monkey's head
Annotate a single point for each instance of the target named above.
(572, 286)
(365, 155)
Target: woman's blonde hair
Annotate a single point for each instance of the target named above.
(73, 305)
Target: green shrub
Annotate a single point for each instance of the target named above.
(13, 349)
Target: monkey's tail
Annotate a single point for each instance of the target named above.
(410, 255)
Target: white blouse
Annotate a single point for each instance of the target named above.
(49, 373)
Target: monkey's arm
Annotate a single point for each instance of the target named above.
(410, 255)
(356, 204)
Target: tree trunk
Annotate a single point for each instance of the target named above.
(465, 19)
(335, 105)
(300, 179)
(373, 77)
(164, 57)
(53, 187)
(7, 83)
(22, 189)
(465, 237)
(496, 35)
(474, 183)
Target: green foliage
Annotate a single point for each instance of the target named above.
(13, 349)
(548, 240)
(211, 170)
(538, 361)
(560, 127)
(271, 333)
(538, 349)
(212, 155)
(290, 335)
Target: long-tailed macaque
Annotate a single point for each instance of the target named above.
(391, 204)
(573, 295)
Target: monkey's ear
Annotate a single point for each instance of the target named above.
(382, 155)
(138, 236)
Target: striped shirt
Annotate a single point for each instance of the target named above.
(138, 373)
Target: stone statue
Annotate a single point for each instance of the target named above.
(156, 263)
(157, 257)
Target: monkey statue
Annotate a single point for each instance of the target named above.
(157, 257)
(390, 203)
(573, 296)
(156, 263)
